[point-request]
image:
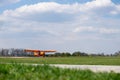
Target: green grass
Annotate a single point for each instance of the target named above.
(45, 72)
(65, 60)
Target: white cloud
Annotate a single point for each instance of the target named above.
(82, 29)
(60, 8)
(96, 29)
(39, 8)
(51, 23)
(44, 12)
(96, 4)
(109, 31)
(55, 12)
(116, 10)
(6, 2)
(51, 12)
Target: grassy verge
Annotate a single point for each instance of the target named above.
(45, 72)
(65, 60)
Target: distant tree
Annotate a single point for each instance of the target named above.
(76, 54)
(100, 54)
(117, 53)
(68, 54)
(93, 55)
(63, 54)
(58, 54)
(0, 52)
(50, 55)
(84, 54)
(79, 54)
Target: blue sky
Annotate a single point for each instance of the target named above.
(64, 25)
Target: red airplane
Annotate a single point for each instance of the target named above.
(39, 52)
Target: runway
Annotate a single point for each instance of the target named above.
(94, 68)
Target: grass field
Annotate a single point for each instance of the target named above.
(17, 71)
(65, 60)
(45, 72)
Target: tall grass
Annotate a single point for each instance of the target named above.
(65, 60)
(45, 72)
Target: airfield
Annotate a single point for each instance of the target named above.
(95, 64)
(60, 68)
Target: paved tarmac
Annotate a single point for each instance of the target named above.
(94, 68)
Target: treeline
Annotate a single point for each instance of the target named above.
(15, 52)
(21, 52)
(78, 53)
(58, 54)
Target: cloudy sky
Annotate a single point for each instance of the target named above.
(91, 26)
